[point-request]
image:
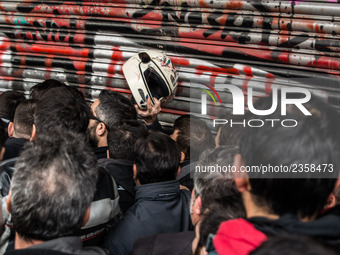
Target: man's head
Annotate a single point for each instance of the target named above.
(212, 219)
(211, 185)
(9, 101)
(62, 107)
(122, 139)
(37, 91)
(111, 110)
(315, 140)
(157, 158)
(52, 187)
(192, 136)
(21, 127)
(230, 134)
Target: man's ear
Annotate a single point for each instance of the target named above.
(178, 171)
(241, 178)
(34, 133)
(100, 129)
(198, 205)
(217, 137)
(9, 202)
(86, 216)
(182, 157)
(134, 168)
(134, 171)
(2, 153)
(331, 201)
(10, 129)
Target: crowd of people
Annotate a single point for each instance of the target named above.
(106, 178)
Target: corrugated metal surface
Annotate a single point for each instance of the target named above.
(245, 43)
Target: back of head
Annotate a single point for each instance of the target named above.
(122, 139)
(193, 137)
(38, 90)
(231, 134)
(315, 140)
(213, 179)
(53, 186)
(114, 108)
(9, 101)
(213, 218)
(62, 107)
(24, 118)
(157, 158)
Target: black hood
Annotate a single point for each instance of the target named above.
(325, 228)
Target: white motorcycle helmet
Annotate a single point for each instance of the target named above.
(150, 73)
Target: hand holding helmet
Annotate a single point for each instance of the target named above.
(150, 74)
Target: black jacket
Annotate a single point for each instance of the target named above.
(159, 208)
(71, 245)
(326, 228)
(100, 152)
(122, 173)
(165, 244)
(13, 147)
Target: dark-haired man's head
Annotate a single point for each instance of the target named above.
(192, 136)
(62, 107)
(52, 187)
(212, 219)
(111, 109)
(213, 182)
(9, 101)
(37, 91)
(157, 158)
(122, 139)
(314, 141)
(21, 127)
(230, 134)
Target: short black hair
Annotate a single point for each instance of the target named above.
(232, 134)
(62, 107)
(24, 117)
(114, 109)
(194, 136)
(157, 158)
(293, 244)
(315, 140)
(122, 139)
(9, 101)
(38, 90)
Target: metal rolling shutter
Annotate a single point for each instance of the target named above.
(245, 43)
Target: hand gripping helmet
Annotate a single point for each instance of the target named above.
(150, 73)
